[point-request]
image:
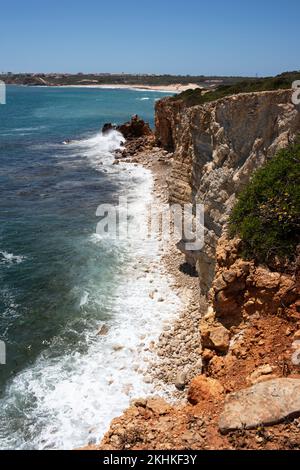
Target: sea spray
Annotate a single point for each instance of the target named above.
(75, 310)
(65, 401)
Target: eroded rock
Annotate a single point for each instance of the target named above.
(263, 404)
(217, 147)
(214, 336)
(158, 406)
(204, 389)
(261, 374)
(135, 128)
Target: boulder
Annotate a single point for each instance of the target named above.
(158, 406)
(108, 126)
(103, 330)
(204, 389)
(181, 381)
(139, 403)
(263, 404)
(215, 336)
(135, 128)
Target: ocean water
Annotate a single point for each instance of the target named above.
(60, 282)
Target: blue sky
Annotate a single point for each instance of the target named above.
(245, 37)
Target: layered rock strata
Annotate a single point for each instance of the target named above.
(217, 147)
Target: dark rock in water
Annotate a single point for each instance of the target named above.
(103, 330)
(135, 128)
(108, 127)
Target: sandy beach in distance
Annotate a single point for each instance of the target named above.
(176, 88)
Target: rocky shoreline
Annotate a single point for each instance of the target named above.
(178, 351)
(226, 363)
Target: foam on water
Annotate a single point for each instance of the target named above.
(70, 400)
(10, 258)
(22, 131)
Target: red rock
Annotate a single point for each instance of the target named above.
(204, 389)
(158, 406)
(215, 337)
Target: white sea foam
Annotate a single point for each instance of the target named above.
(28, 129)
(11, 308)
(98, 149)
(10, 258)
(22, 131)
(84, 299)
(75, 397)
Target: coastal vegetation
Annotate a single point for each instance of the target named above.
(267, 212)
(56, 79)
(198, 96)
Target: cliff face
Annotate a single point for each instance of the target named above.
(249, 330)
(241, 291)
(217, 146)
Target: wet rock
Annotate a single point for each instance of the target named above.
(263, 404)
(103, 330)
(108, 127)
(135, 128)
(140, 403)
(181, 381)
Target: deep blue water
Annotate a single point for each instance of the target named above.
(57, 283)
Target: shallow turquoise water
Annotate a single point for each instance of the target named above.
(57, 282)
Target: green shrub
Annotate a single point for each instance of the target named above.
(280, 82)
(266, 215)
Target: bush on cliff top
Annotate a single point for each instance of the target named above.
(266, 215)
(196, 97)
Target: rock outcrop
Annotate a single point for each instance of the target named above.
(261, 405)
(204, 389)
(135, 128)
(217, 146)
(240, 290)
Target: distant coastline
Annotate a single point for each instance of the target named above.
(169, 83)
(176, 88)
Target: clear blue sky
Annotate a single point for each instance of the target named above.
(223, 37)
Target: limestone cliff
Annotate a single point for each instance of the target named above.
(250, 329)
(217, 146)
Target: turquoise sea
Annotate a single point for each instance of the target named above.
(59, 281)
